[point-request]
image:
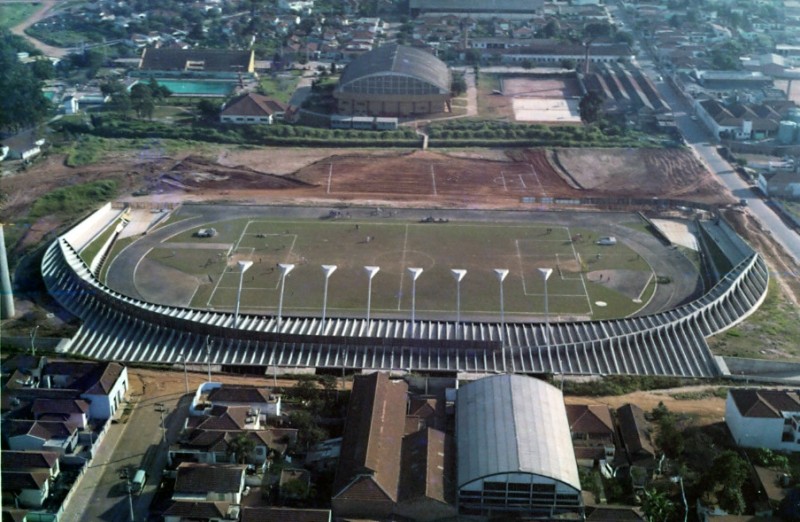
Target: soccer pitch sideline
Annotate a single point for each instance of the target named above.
(588, 280)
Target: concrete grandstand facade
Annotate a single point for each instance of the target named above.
(394, 80)
(671, 342)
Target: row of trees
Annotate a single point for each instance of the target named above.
(142, 97)
(22, 103)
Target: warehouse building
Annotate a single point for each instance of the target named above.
(394, 80)
(515, 454)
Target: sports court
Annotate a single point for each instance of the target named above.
(204, 272)
(543, 99)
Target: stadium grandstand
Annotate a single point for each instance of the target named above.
(196, 63)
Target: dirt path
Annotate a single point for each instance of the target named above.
(43, 12)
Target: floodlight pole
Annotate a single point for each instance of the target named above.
(243, 265)
(285, 268)
(328, 270)
(371, 271)
(458, 275)
(501, 274)
(546, 273)
(415, 273)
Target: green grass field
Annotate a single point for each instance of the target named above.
(574, 289)
(14, 14)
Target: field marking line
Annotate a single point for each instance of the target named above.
(523, 182)
(538, 181)
(652, 274)
(330, 174)
(586, 291)
(433, 178)
(402, 270)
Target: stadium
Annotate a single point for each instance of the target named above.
(132, 315)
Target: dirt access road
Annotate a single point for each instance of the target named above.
(43, 12)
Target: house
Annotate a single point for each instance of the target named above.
(74, 411)
(257, 399)
(592, 432)
(764, 418)
(739, 121)
(781, 184)
(19, 461)
(634, 431)
(423, 495)
(218, 482)
(216, 446)
(103, 385)
(26, 488)
(23, 145)
(252, 109)
(23, 435)
(260, 514)
(186, 511)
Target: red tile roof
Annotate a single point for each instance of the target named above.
(204, 478)
(590, 419)
(372, 437)
(765, 403)
(252, 104)
(261, 514)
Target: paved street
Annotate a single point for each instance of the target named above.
(134, 444)
(698, 138)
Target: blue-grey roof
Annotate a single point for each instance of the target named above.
(513, 423)
(398, 59)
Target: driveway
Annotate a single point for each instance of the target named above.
(43, 12)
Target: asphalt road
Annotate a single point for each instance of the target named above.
(697, 136)
(102, 494)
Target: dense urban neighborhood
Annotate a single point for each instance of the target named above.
(382, 260)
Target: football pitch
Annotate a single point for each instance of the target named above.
(588, 280)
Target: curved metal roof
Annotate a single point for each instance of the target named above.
(513, 424)
(398, 59)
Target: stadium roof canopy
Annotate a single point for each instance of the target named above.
(400, 60)
(513, 424)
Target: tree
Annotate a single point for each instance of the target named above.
(43, 69)
(590, 107)
(567, 63)
(656, 506)
(142, 100)
(726, 476)
(208, 111)
(459, 85)
(22, 102)
(240, 448)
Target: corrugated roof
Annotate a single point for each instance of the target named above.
(398, 59)
(250, 104)
(513, 423)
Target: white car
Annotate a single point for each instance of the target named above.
(607, 241)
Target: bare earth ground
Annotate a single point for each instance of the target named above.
(151, 384)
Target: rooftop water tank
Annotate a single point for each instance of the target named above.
(786, 132)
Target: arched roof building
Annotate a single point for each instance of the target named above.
(515, 451)
(394, 80)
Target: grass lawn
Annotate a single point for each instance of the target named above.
(770, 333)
(574, 289)
(14, 14)
(280, 86)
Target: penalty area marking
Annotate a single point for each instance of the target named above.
(433, 179)
(330, 174)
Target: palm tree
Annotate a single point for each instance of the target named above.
(240, 448)
(656, 506)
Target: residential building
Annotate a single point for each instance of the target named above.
(194, 511)
(592, 430)
(780, 184)
(634, 431)
(525, 8)
(760, 418)
(24, 435)
(217, 482)
(31, 461)
(25, 488)
(515, 454)
(23, 145)
(260, 514)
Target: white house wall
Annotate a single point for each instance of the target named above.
(755, 432)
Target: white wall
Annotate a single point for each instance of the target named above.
(752, 432)
(34, 497)
(104, 406)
